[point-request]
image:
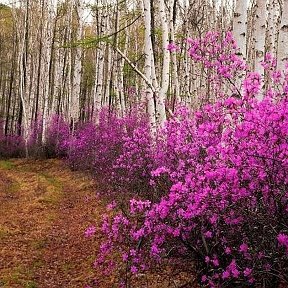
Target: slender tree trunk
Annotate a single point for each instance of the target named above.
(282, 54)
(273, 11)
(165, 64)
(48, 42)
(259, 34)
(148, 49)
(240, 26)
(77, 69)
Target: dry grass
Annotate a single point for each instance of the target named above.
(44, 211)
(43, 216)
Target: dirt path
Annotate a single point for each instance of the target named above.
(44, 210)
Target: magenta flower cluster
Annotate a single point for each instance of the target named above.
(210, 193)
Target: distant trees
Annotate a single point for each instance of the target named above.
(54, 61)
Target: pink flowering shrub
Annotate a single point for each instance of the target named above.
(218, 56)
(57, 135)
(172, 47)
(34, 142)
(131, 169)
(113, 151)
(81, 147)
(54, 143)
(108, 144)
(11, 146)
(220, 179)
(226, 210)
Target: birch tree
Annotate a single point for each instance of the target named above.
(22, 37)
(282, 53)
(149, 66)
(101, 28)
(161, 97)
(240, 25)
(47, 65)
(259, 34)
(77, 66)
(272, 27)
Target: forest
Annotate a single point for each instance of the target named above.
(143, 143)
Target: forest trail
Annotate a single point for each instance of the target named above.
(44, 211)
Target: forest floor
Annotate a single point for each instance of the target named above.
(44, 211)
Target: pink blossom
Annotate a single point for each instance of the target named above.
(134, 269)
(90, 231)
(208, 234)
(247, 271)
(283, 240)
(172, 47)
(243, 248)
(225, 274)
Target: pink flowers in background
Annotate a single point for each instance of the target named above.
(206, 184)
(243, 248)
(211, 184)
(90, 231)
(252, 84)
(218, 54)
(172, 47)
(283, 240)
(270, 62)
(11, 146)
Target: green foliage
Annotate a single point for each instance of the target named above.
(31, 284)
(89, 42)
(4, 7)
(6, 165)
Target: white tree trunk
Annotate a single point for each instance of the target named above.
(148, 66)
(47, 59)
(99, 88)
(259, 35)
(273, 13)
(174, 73)
(121, 80)
(161, 97)
(282, 54)
(108, 74)
(77, 71)
(22, 73)
(240, 25)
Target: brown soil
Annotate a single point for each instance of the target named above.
(44, 211)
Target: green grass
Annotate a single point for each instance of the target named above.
(52, 180)
(14, 187)
(6, 165)
(39, 244)
(51, 217)
(53, 189)
(31, 284)
(4, 232)
(20, 275)
(38, 263)
(2, 283)
(67, 267)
